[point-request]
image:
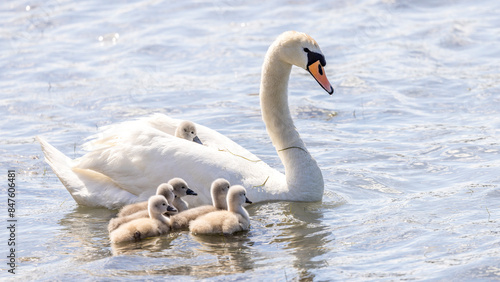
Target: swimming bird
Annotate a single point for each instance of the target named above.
(235, 219)
(124, 161)
(141, 228)
(181, 189)
(164, 189)
(218, 190)
(140, 210)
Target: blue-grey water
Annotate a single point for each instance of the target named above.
(408, 144)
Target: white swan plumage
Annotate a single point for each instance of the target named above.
(127, 161)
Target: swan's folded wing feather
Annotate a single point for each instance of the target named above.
(147, 157)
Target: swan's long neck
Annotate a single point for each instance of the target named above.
(303, 175)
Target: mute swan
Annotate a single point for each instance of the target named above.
(164, 189)
(218, 190)
(227, 222)
(126, 160)
(157, 224)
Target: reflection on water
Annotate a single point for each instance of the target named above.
(83, 234)
(227, 254)
(280, 232)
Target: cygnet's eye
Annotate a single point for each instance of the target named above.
(192, 132)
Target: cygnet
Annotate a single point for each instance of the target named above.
(187, 130)
(181, 189)
(235, 219)
(164, 189)
(137, 229)
(218, 190)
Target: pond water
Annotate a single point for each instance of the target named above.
(408, 144)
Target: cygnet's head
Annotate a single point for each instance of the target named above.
(157, 205)
(187, 130)
(300, 49)
(181, 188)
(219, 190)
(237, 195)
(166, 190)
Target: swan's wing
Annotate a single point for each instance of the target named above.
(147, 157)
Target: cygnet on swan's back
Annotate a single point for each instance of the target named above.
(218, 190)
(164, 189)
(137, 229)
(187, 130)
(235, 219)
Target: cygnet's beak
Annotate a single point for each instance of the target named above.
(318, 72)
(197, 140)
(171, 209)
(247, 201)
(191, 192)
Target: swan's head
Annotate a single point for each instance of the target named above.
(187, 130)
(300, 49)
(181, 188)
(157, 205)
(219, 190)
(237, 195)
(166, 190)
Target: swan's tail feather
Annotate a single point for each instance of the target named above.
(87, 187)
(61, 165)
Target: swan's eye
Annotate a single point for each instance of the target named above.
(307, 50)
(192, 132)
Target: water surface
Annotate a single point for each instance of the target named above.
(408, 144)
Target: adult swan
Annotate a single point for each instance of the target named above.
(127, 161)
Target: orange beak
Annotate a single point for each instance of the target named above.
(318, 72)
